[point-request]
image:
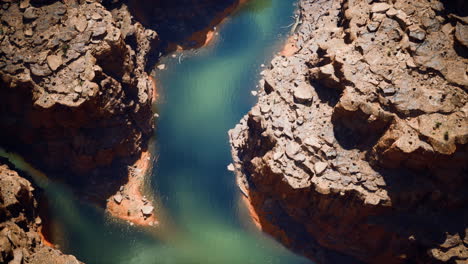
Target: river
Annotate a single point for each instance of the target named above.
(203, 94)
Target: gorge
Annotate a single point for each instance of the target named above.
(114, 117)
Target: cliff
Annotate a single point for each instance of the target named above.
(20, 224)
(76, 99)
(74, 91)
(357, 148)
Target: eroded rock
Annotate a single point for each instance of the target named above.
(358, 158)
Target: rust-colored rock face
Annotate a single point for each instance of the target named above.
(357, 148)
(74, 93)
(20, 241)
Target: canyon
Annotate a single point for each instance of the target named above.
(357, 148)
(76, 101)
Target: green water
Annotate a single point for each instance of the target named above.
(203, 95)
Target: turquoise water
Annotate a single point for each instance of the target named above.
(202, 95)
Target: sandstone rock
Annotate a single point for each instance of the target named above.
(230, 167)
(380, 7)
(54, 62)
(292, 149)
(313, 141)
(30, 13)
(20, 240)
(147, 210)
(320, 167)
(96, 16)
(278, 155)
(40, 70)
(461, 34)
(118, 198)
(382, 83)
(416, 33)
(303, 93)
(66, 63)
(24, 4)
(28, 32)
(81, 24)
(392, 12)
(373, 26)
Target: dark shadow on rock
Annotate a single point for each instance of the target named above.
(327, 95)
(177, 20)
(458, 7)
(356, 130)
(423, 210)
(77, 146)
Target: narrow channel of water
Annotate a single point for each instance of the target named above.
(203, 95)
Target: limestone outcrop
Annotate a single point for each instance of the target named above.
(357, 148)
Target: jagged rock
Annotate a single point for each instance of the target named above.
(30, 13)
(54, 62)
(78, 72)
(461, 34)
(388, 103)
(118, 198)
(20, 240)
(81, 23)
(312, 141)
(40, 70)
(320, 167)
(292, 149)
(147, 210)
(303, 93)
(380, 7)
(416, 33)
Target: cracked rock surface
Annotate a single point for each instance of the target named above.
(357, 148)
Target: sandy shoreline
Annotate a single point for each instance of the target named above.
(130, 203)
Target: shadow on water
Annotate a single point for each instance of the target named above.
(203, 95)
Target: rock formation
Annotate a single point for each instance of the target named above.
(357, 148)
(73, 84)
(75, 98)
(20, 240)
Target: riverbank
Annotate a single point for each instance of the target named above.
(356, 127)
(131, 203)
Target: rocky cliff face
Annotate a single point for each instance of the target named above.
(357, 148)
(75, 101)
(20, 241)
(75, 96)
(74, 92)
